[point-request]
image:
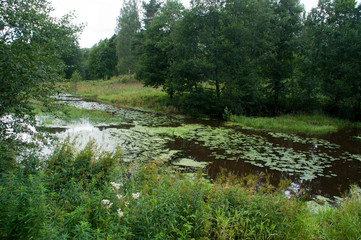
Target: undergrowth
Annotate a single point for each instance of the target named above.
(89, 194)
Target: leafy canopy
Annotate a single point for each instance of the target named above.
(31, 47)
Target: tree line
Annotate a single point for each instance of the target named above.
(250, 57)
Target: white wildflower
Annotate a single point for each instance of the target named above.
(115, 185)
(120, 212)
(119, 196)
(136, 195)
(105, 201)
(126, 204)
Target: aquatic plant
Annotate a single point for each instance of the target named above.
(233, 144)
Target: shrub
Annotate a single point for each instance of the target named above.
(63, 200)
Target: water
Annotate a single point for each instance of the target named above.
(322, 165)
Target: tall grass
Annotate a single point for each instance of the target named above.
(87, 194)
(308, 124)
(125, 94)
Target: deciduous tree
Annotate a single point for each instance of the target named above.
(31, 46)
(127, 28)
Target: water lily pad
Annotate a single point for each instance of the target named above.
(187, 162)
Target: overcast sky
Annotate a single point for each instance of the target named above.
(100, 16)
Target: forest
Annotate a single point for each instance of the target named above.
(246, 57)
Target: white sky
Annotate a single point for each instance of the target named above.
(100, 16)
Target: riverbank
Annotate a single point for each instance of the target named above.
(134, 95)
(90, 195)
(125, 94)
(301, 124)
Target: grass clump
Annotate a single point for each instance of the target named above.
(338, 221)
(307, 124)
(87, 194)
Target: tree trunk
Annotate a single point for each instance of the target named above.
(218, 90)
(171, 94)
(130, 71)
(276, 96)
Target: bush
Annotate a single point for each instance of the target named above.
(202, 103)
(62, 200)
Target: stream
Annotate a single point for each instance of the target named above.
(324, 165)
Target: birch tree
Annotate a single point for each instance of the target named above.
(128, 25)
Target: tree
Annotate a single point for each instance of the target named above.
(279, 65)
(249, 36)
(335, 39)
(95, 66)
(158, 48)
(150, 9)
(31, 46)
(127, 28)
(211, 38)
(75, 78)
(102, 59)
(72, 60)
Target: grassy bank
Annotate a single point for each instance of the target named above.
(307, 124)
(88, 195)
(125, 94)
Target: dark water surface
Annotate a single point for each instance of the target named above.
(322, 165)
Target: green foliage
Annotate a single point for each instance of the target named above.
(333, 30)
(338, 221)
(200, 103)
(87, 194)
(258, 57)
(150, 9)
(102, 59)
(158, 49)
(75, 78)
(62, 201)
(31, 47)
(128, 25)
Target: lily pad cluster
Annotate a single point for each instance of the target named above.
(231, 144)
(305, 140)
(140, 144)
